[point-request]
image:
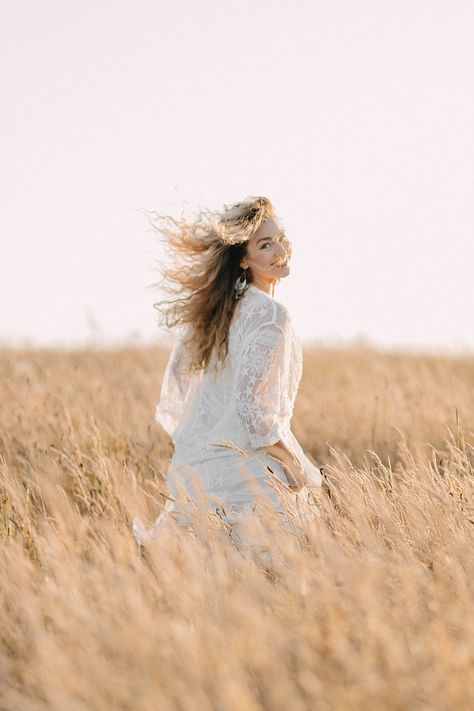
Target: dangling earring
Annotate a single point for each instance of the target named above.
(240, 284)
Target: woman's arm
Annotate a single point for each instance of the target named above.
(174, 386)
(261, 379)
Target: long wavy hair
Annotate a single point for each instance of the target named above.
(204, 264)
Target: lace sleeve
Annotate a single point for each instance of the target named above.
(173, 388)
(260, 379)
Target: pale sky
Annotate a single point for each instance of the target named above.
(355, 119)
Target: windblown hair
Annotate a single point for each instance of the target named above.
(204, 264)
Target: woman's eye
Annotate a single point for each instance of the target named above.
(281, 238)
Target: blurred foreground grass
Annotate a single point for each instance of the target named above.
(372, 608)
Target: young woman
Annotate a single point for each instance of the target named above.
(231, 380)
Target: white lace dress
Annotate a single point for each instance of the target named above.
(221, 421)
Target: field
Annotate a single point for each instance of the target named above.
(372, 608)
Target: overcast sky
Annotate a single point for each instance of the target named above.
(355, 118)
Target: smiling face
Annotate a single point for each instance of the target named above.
(268, 254)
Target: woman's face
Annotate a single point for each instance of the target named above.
(268, 253)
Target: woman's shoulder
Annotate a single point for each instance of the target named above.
(259, 309)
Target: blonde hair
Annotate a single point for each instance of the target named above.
(205, 257)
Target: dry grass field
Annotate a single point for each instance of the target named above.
(372, 609)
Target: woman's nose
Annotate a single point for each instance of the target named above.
(284, 248)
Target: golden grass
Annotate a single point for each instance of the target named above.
(372, 608)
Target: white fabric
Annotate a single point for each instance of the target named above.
(221, 421)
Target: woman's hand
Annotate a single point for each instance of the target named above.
(294, 470)
(295, 475)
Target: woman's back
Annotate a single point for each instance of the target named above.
(248, 400)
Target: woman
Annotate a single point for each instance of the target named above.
(231, 380)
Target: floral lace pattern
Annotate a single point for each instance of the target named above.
(259, 382)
